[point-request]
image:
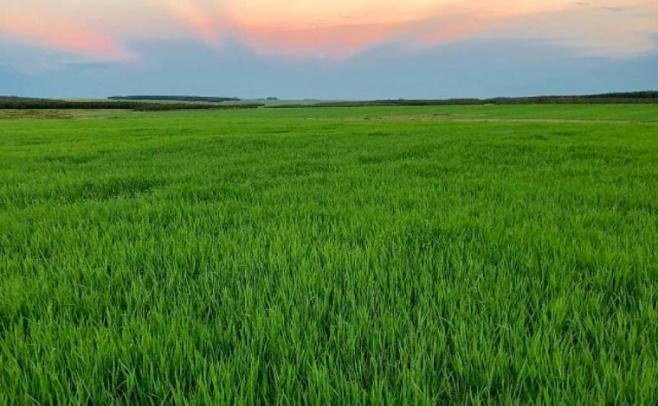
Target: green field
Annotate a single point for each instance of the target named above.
(389, 255)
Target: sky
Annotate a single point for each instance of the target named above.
(327, 49)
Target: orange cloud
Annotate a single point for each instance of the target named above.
(457, 21)
(336, 41)
(343, 27)
(199, 20)
(339, 28)
(608, 28)
(304, 14)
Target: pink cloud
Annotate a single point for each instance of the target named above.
(337, 28)
(61, 33)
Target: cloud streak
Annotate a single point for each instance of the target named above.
(104, 29)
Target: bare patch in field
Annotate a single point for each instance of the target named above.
(58, 114)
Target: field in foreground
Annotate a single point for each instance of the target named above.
(366, 255)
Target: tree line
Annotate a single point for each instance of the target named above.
(21, 103)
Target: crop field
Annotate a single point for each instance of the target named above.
(374, 255)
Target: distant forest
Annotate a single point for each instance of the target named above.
(177, 98)
(155, 103)
(23, 103)
(646, 97)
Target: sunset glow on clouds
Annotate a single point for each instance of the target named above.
(104, 29)
(59, 32)
(337, 48)
(344, 27)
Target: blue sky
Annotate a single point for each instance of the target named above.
(348, 50)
